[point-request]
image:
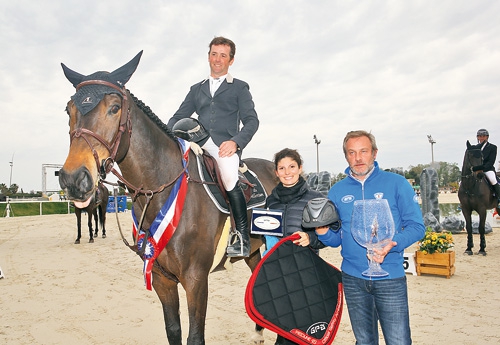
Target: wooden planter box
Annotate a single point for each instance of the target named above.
(442, 264)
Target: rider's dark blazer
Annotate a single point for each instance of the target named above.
(489, 157)
(221, 115)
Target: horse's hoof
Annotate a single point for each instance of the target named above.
(103, 235)
(468, 252)
(77, 242)
(481, 252)
(91, 240)
(257, 339)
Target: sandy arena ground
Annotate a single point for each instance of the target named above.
(56, 292)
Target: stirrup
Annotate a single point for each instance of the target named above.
(235, 245)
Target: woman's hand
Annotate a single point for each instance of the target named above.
(303, 240)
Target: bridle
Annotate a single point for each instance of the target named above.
(107, 165)
(470, 171)
(125, 123)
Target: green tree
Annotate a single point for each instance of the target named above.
(447, 173)
(338, 177)
(3, 189)
(414, 172)
(13, 188)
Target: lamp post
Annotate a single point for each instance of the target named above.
(7, 208)
(432, 142)
(317, 142)
(11, 165)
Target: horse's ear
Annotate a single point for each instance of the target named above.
(123, 74)
(74, 77)
(468, 144)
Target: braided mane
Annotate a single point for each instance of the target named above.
(147, 110)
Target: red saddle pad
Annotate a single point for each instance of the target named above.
(296, 294)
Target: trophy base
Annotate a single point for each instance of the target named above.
(375, 273)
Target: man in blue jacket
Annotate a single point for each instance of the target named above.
(222, 104)
(373, 299)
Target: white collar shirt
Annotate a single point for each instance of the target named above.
(215, 83)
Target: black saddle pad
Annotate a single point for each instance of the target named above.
(257, 199)
(296, 294)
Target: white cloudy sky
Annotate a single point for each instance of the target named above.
(402, 69)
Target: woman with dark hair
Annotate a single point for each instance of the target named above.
(291, 196)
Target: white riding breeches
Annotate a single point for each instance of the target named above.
(228, 166)
(491, 177)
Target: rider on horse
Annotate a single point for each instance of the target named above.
(489, 157)
(222, 103)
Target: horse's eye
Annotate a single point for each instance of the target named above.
(115, 109)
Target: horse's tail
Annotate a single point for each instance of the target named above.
(101, 209)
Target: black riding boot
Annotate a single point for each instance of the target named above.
(239, 239)
(497, 192)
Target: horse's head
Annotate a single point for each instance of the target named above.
(99, 116)
(473, 158)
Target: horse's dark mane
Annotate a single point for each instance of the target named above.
(147, 110)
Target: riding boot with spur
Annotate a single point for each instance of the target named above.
(239, 238)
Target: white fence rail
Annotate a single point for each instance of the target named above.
(8, 209)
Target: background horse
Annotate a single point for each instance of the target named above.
(95, 207)
(120, 128)
(475, 194)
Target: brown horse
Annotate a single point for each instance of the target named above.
(475, 194)
(117, 127)
(95, 207)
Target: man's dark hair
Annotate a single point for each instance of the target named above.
(217, 41)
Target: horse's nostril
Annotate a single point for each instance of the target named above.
(77, 184)
(62, 179)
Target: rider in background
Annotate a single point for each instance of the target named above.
(489, 157)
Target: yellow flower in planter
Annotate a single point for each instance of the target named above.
(435, 242)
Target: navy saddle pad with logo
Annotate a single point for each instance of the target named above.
(296, 294)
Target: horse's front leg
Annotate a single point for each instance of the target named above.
(258, 337)
(168, 293)
(197, 298)
(102, 216)
(89, 223)
(482, 237)
(78, 214)
(96, 221)
(468, 227)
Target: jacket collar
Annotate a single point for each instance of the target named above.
(229, 79)
(375, 169)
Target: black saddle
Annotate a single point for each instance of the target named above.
(254, 191)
